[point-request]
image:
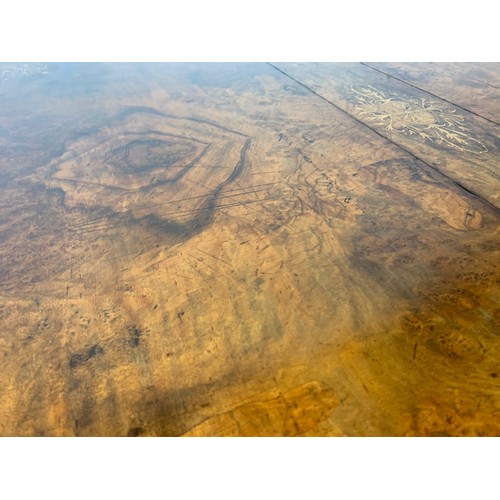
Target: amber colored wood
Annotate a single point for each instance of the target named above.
(225, 250)
(473, 86)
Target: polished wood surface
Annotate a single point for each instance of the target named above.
(249, 250)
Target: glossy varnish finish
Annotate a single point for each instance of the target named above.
(276, 250)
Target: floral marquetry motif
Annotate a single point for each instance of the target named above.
(422, 118)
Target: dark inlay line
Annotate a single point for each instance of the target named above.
(453, 181)
(430, 93)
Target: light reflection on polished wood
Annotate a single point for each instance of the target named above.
(214, 250)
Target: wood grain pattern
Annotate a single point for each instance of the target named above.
(215, 250)
(457, 143)
(474, 86)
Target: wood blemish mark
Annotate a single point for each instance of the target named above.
(82, 357)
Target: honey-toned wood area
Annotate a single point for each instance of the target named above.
(249, 249)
